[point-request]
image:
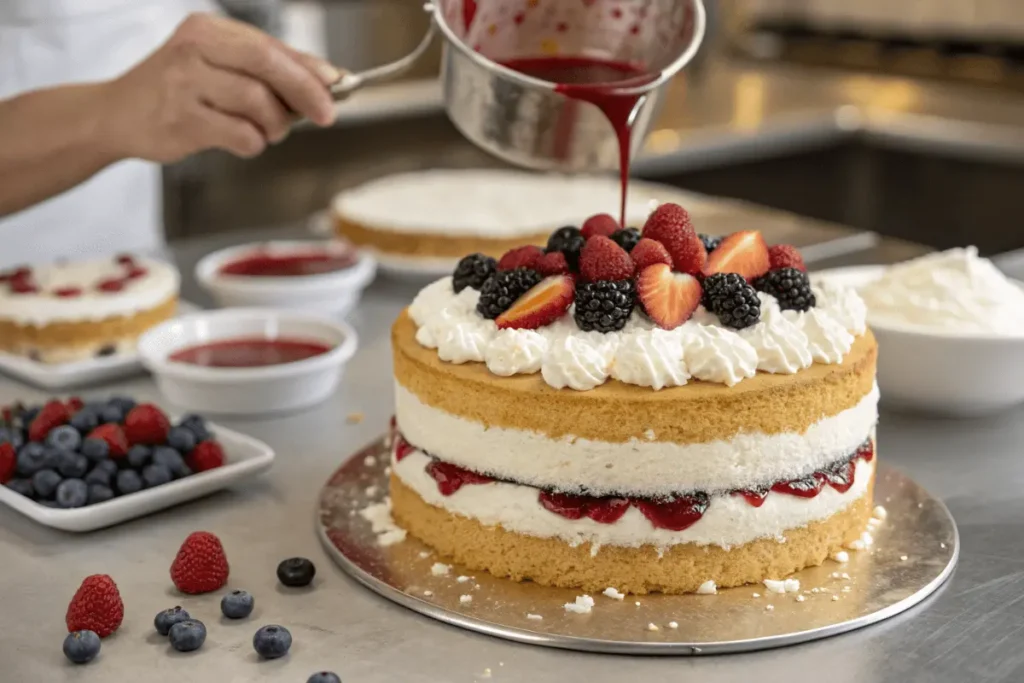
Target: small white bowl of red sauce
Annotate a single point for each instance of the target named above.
(309, 275)
(248, 361)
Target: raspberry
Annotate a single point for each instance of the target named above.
(601, 224)
(53, 414)
(647, 252)
(521, 257)
(785, 256)
(670, 225)
(553, 264)
(74, 404)
(146, 424)
(603, 260)
(115, 438)
(201, 565)
(8, 462)
(207, 455)
(96, 606)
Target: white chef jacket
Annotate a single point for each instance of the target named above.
(50, 42)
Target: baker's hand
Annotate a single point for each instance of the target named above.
(216, 83)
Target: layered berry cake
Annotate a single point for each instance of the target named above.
(435, 217)
(640, 410)
(73, 311)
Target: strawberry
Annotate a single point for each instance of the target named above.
(146, 424)
(743, 252)
(201, 565)
(521, 257)
(553, 264)
(115, 438)
(668, 298)
(603, 259)
(207, 455)
(647, 252)
(785, 256)
(600, 224)
(97, 606)
(53, 414)
(542, 305)
(670, 225)
(8, 461)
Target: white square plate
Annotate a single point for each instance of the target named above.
(81, 373)
(244, 457)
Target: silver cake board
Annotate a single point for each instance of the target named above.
(914, 551)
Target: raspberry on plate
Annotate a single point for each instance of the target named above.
(668, 298)
(599, 224)
(604, 260)
(670, 225)
(785, 256)
(53, 414)
(521, 257)
(96, 606)
(201, 565)
(647, 252)
(207, 455)
(744, 253)
(545, 303)
(146, 424)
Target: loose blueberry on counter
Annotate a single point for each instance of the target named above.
(237, 604)
(99, 493)
(139, 456)
(296, 572)
(272, 642)
(187, 635)
(72, 493)
(181, 439)
(95, 449)
(81, 647)
(22, 486)
(172, 460)
(156, 475)
(45, 483)
(72, 465)
(65, 438)
(324, 677)
(169, 617)
(128, 481)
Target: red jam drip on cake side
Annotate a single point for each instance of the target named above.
(450, 478)
(250, 353)
(264, 264)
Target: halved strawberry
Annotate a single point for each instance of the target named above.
(600, 224)
(647, 252)
(668, 298)
(743, 252)
(542, 305)
(603, 259)
(670, 225)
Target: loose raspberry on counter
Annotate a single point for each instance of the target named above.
(604, 260)
(599, 224)
(743, 252)
(96, 606)
(545, 303)
(200, 565)
(53, 414)
(785, 256)
(112, 433)
(670, 225)
(647, 252)
(521, 257)
(146, 424)
(668, 298)
(205, 456)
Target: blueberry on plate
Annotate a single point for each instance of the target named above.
(95, 449)
(31, 459)
(22, 486)
(81, 647)
(124, 403)
(72, 465)
(187, 635)
(272, 641)
(172, 460)
(72, 493)
(296, 572)
(107, 465)
(65, 437)
(181, 439)
(237, 604)
(128, 481)
(197, 426)
(11, 436)
(85, 420)
(169, 617)
(45, 483)
(156, 475)
(139, 456)
(324, 677)
(112, 413)
(99, 493)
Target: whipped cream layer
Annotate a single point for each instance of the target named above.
(484, 203)
(729, 520)
(159, 284)
(643, 466)
(951, 291)
(783, 342)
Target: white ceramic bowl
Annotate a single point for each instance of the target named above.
(334, 293)
(940, 372)
(247, 391)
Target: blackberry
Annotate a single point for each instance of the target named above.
(569, 241)
(473, 271)
(626, 238)
(710, 242)
(604, 306)
(791, 287)
(735, 302)
(503, 288)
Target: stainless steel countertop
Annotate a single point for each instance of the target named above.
(970, 631)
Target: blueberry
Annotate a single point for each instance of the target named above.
(237, 604)
(72, 493)
(124, 403)
(72, 465)
(81, 647)
(85, 420)
(112, 413)
(11, 436)
(172, 460)
(99, 476)
(138, 456)
(324, 677)
(187, 635)
(31, 459)
(197, 426)
(271, 642)
(108, 466)
(181, 439)
(156, 475)
(51, 457)
(98, 493)
(65, 437)
(95, 449)
(128, 481)
(45, 483)
(29, 414)
(168, 618)
(296, 572)
(22, 486)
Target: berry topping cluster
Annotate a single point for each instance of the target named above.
(22, 280)
(604, 271)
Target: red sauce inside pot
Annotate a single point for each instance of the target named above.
(266, 264)
(250, 353)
